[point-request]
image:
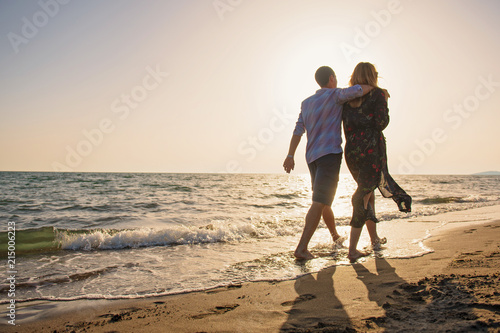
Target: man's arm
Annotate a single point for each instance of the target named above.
(289, 163)
(366, 89)
(348, 94)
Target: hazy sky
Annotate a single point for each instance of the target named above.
(216, 85)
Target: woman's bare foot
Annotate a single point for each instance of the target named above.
(377, 243)
(356, 255)
(303, 255)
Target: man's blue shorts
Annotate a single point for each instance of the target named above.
(325, 177)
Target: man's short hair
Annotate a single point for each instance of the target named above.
(322, 75)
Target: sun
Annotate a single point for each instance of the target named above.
(295, 76)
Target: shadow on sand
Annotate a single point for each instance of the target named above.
(435, 304)
(316, 308)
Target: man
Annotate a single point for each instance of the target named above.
(321, 117)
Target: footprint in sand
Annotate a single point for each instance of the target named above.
(300, 299)
(218, 310)
(119, 316)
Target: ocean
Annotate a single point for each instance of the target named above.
(133, 235)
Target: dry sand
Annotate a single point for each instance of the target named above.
(454, 289)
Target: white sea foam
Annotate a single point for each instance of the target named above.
(146, 237)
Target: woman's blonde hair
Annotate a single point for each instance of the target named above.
(364, 73)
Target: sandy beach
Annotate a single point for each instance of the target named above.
(455, 288)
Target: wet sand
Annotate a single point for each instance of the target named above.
(456, 288)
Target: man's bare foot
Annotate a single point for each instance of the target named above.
(335, 237)
(303, 255)
(356, 255)
(338, 240)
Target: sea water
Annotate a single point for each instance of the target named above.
(131, 235)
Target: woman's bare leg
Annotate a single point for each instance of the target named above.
(354, 254)
(372, 230)
(371, 226)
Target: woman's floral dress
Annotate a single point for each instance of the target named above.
(366, 157)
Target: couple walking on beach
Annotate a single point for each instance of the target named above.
(363, 110)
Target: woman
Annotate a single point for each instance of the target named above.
(364, 120)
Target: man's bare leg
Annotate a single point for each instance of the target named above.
(312, 220)
(329, 219)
